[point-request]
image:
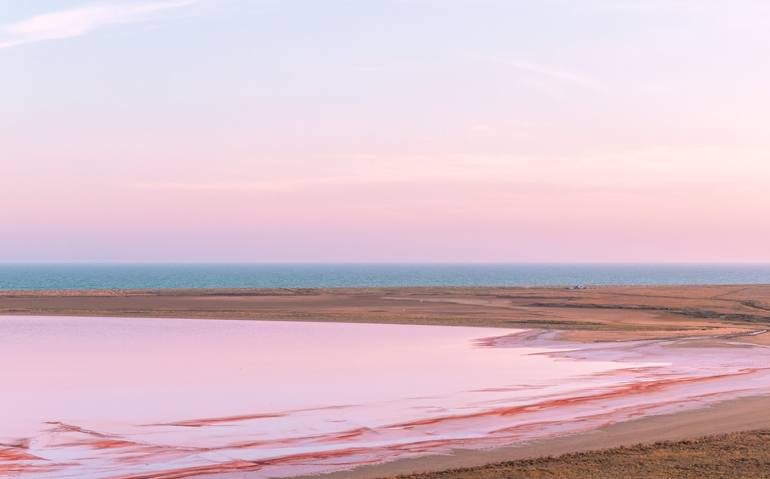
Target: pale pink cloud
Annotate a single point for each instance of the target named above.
(79, 21)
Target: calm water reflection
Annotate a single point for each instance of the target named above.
(107, 397)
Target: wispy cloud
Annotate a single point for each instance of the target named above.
(633, 170)
(552, 73)
(666, 5)
(283, 186)
(79, 21)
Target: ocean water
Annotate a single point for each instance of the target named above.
(140, 276)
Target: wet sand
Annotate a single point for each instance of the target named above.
(740, 415)
(712, 314)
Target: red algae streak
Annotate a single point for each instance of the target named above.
(117, 398)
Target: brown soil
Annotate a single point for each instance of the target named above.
(737, 455)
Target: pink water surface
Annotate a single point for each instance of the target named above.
(109, 398)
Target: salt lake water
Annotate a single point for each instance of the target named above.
(98, 398)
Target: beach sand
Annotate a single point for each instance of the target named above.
(737, 313)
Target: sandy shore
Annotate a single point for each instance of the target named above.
(740, 313)
(745, 414)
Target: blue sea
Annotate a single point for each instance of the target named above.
(142, 276)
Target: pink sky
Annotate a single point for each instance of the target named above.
(205, 131)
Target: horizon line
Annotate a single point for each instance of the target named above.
(386, 263)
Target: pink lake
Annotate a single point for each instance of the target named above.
(110, 398)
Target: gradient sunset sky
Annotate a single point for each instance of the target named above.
(385, 130)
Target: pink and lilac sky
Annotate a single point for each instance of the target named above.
(385, 130)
